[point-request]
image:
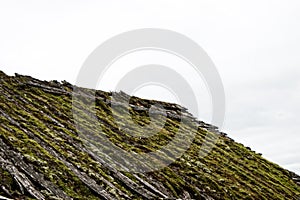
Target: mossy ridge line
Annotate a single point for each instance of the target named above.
(230, 171)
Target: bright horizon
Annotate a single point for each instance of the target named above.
(254, 45)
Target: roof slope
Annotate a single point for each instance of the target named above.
(43, 157)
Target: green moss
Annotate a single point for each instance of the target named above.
(41, 128)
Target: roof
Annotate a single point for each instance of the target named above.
(43, 154)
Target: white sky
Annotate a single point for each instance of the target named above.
(254, 44)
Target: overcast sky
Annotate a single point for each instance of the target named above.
(255, 46)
